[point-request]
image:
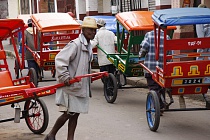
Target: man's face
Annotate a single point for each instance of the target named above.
(89, 33)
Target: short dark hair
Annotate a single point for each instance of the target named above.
(29, 23)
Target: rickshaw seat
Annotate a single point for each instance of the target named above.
(13, 88)
(2, 55)
(6, 79)
(6, 83)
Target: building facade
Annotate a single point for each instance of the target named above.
(3, 9)
(82, 8)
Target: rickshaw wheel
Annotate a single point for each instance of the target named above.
(37, 117)
(110, 88)
(33, 76)
(153, 110)
(121, 79)
(17, 69)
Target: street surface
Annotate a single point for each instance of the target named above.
(123, 120)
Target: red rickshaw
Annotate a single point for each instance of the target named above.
(51, 31)
(14, 91)
(182, 73)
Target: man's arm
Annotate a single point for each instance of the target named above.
(62, 60)
(144, 46)
(142, 53)
(94, 42)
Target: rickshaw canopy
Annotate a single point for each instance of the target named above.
(50, 22)
(8, 26)
(181, 16)
(136, 20)
(110, 22)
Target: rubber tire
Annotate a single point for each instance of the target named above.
(17, 69)
(110, 85)
(118, 75)
(153, 110)
(33, 76)
(43, 118)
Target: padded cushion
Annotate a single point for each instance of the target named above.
(13, 88)
(2, 55)
(5, 79)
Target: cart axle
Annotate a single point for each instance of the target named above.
(186, 109)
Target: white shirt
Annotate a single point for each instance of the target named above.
(106, 40)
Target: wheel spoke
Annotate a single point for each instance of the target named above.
(152, 110)
(37, 120)
(110, 88)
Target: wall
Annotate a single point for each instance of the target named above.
(160, 4)
(144, 4)
(13, 8)
(100, 6)
(183, 31)
(106, 7)
(91, 7)
(43, 6)
(163, 4)
(80, 9)
(206, 2)
(3, 9)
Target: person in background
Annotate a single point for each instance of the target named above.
(106, 40)
(74, 60)
(148, 51)
(203, 30)
(29, 41)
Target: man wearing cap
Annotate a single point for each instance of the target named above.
(106, 40)
(29, 41)
(74, 60)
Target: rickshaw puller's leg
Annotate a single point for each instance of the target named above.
(207, 101)
(58, 124)
(182, 102)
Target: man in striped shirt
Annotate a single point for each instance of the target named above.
(148, 51)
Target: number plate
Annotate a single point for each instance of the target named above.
(192, 81)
